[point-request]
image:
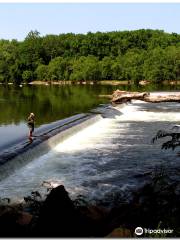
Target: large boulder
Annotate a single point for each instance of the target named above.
(14, 223)
(120, 233)
(59, 217)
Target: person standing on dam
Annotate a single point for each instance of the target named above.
(30, 124)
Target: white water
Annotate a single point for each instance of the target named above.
(101, 159)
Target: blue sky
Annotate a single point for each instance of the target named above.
(17, 19)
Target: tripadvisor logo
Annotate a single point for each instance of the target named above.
(139, 231)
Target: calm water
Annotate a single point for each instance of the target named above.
(105, 159)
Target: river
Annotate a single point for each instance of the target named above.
(51, 103)
(112, 157)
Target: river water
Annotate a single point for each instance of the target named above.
(114, 155)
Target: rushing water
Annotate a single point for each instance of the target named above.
(108, 157)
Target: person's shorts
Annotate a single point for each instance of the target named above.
(31, 127)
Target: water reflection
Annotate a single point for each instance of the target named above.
(49, 103)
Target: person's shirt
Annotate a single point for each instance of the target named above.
(30, 120)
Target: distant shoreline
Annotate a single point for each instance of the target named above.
(68, 82)
(108, 82)
(103, 82)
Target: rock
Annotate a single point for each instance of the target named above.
(24, 218)
(96, 213)
(9, 225)
(119, 96)
(144, 82)
(124, 96)
(96, 217)
(59, 217)
(120, 233)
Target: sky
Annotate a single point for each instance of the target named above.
(17, 19)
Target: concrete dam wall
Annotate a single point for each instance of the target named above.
(46, 137)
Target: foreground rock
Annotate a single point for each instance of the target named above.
(124, 96)
(14, 222)
(154, 206)
(120, 233)
(59, 217)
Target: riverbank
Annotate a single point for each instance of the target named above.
(103, 82)
(47, 83)
(114, 83)
(153, 207)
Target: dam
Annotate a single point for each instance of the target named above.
(107, 152)
(19, 152)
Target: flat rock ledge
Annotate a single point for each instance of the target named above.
(119, 96)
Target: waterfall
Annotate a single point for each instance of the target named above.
(104, 155)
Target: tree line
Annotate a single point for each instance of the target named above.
(120, 55)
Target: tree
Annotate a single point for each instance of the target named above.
(153, 65)
(86, 68)
(31, 51)
(52, 47)
(42, 72)
(56, 69)
(27, 76)
(117, 69)
(122, 55)
(173, 143)
(132, 63)
(106, 68)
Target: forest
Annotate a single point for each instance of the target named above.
(137, 55)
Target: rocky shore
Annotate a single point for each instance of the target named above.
(154, 206)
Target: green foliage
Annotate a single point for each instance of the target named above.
(86, 68)
(56, 69)
(42, 72)
(106, 68)
(128, 55)
(27, 76)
